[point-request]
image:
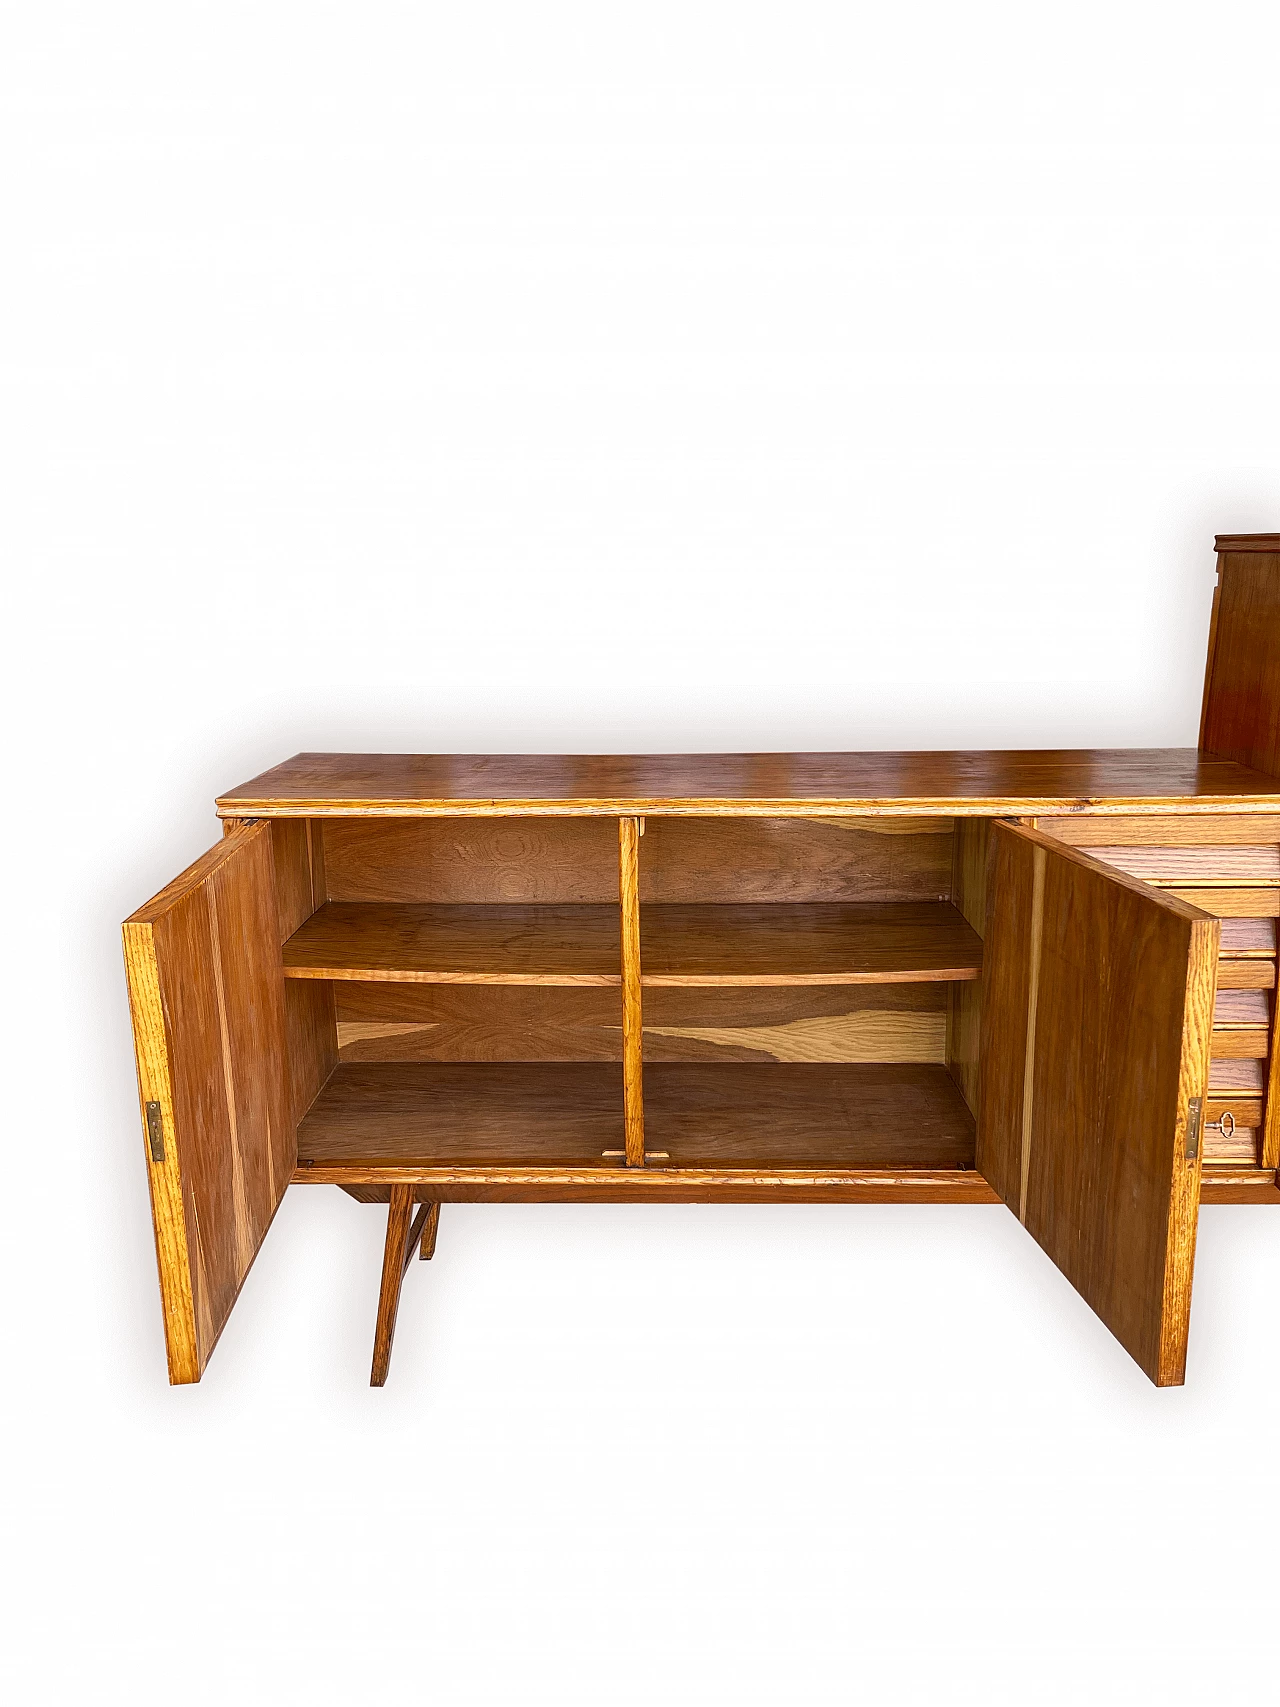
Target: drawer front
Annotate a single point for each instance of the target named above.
(1229, 867)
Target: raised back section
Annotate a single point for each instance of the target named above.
(1241, 715)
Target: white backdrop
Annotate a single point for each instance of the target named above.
(589, 378)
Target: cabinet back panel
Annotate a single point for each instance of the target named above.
(471, 859)
(796, 859)
(860, 1022)
(478, 1022)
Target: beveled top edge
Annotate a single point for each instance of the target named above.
(1224, 542)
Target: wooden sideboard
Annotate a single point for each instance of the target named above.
(1042, 978)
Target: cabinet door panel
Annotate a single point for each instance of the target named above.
(1097, 1018)
(206, 991)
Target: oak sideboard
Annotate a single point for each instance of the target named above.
(1046, 979)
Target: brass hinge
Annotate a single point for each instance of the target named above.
(1195, 1107)
(155, 1132)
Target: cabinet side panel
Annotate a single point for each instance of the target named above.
(964, 1016)
(290, 854)
(310, 1023)
(1242, 680)
(311, 1038)
(1006, 992)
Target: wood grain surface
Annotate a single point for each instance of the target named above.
(794, 1116)
(786, 1023)
(1117, 780)
(310, 1022)
(1230, 903)
(1110, 830)
(690, 860)
(296, 898)
(807, 943)
(461, 861)
(1235, 1184)
(420, 1117)
(1210, 867)
(964, 999)
(1248, 937)
(529, 1114)
(1269, 1137)
(629, 833)
(206, 990)
(612, 1183)
(430, 943)
(403, 1239)
(1121, 1004)
(1229, 1074)
(1245, 974)
(399, 1216)
(476, 1022)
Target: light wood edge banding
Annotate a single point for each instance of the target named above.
(177, 1297)
(769, 980)
(1269, 1144)
(896, 806)
(632, 1003)
(1036, 935)
(648, 980)
(383, 975)
(1193, 1081)
(373, 1172)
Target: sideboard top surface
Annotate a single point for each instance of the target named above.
(1122, 780)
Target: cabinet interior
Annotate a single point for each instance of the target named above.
(810, 990)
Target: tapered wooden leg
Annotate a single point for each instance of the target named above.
(430, 1227)
(396, 1255)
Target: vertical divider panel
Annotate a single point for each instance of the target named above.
(629, 832)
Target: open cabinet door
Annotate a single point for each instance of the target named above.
(1097, 1014)
(206, 990)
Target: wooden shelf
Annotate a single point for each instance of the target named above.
(806, 943)
(424, 1116)
(430, 1114)
(433, 943)
(748, 1114)
(768, 943)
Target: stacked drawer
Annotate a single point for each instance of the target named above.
(1229, 867)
